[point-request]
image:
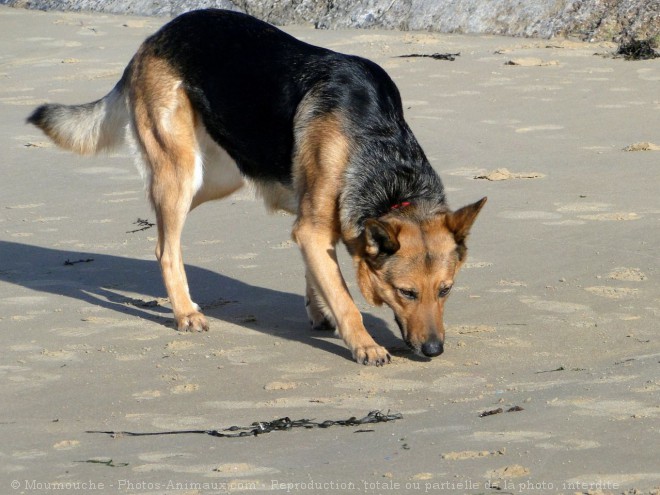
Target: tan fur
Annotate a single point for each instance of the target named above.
(320, 161)
(427, 261)
(165, 125)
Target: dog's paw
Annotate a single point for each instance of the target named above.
(324, 325)
(193, 322)
(372, 355)
(318, 319)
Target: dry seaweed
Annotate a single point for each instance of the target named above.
(71, 263)
(499, 410)
(143, 224)
(637, 49)
(261, 427)
(435, 56)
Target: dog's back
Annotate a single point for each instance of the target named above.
(247, 80)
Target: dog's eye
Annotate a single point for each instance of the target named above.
(444, 292)
(409, 294)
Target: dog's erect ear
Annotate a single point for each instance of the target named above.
(379, 239)
(459, 223)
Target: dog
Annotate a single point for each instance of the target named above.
(216, 98)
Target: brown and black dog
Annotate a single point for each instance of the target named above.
(215, 98)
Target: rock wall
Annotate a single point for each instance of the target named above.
(587, 19)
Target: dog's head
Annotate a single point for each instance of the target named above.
(410, 263)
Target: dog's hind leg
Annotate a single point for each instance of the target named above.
(320, 316)
(164, 124)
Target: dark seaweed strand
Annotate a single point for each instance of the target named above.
(261, 427)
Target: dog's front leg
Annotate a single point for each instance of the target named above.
(322, 154)
(317, 244)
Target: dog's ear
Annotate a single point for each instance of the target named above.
(459, 223)
(380, 240)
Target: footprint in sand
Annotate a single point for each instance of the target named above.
(284, 245)
(569, 444)
(101, 170)
(539, 128)
(21, 100)
(642, 146)
(245, 256)
(614, 409)
(174, 468)
(531, 62)
(511, 436)
(468, 329)
(501, 122)
(627, 274)
(611, 217)
(529, 215)
(506, 174)
(66, 445)
(375, 382)
(58, 355)
(511, 283)
(596, 212)
(28, 454)
(476, 264)
(26, 300)
(583, 207)
(512, 471)
(612, 292)
(280, 386)
(471, 454)
(241, 469)
(554, 306)
(181, 345)
(168, 421)
(147, 394)
(62, 44)
(24, 206)
(184, 388)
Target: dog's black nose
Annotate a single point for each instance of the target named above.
(432, 348)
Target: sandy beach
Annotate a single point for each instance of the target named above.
(554, 317)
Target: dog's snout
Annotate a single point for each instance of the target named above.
(432, 348)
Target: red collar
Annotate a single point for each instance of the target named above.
(397, 206)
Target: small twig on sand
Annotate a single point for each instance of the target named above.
(71, 263)
(435, 56)
(143, 224)
(500, 410)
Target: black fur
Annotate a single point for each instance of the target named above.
(38, 117)
(247, 79)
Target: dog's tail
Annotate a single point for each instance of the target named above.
(88, 128)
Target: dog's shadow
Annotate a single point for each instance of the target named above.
(107, 281)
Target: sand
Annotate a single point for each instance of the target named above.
(555, 312)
